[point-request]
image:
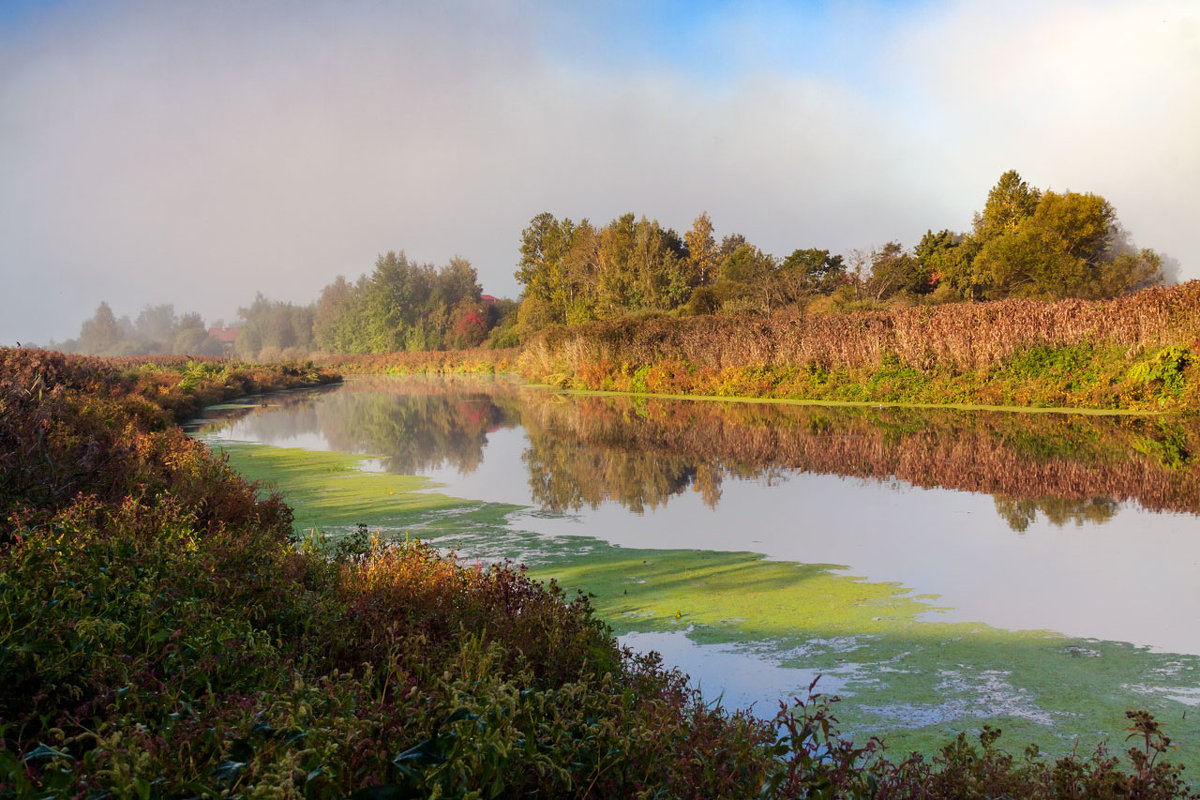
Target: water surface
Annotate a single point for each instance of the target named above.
(938, 567)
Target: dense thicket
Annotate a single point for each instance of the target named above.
(401, 306)
(575, 273)
(164, 637)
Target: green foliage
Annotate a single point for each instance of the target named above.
(824, 764)
(169, 640)
(895, 272)
(811, 271)
(576, 273)
(1044, 361)
(1165, 371)
(1049, 245)
(403, 306)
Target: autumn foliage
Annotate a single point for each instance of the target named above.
(956, 353)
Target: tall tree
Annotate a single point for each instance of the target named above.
(155, 323)
(810, 271)
(702, 255)
(101, 333)
(616, 278)
(893, 271)
(749, 281)
(1009, 203)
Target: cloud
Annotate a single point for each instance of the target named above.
(196, 153)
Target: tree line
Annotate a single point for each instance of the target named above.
(157, 329)
(400, 305)
(1026, 242)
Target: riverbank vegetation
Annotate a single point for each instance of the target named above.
(478, 360)
(164, 635)
(1133, 352)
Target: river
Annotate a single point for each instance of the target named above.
(939, 569)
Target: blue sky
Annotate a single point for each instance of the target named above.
(197, 152)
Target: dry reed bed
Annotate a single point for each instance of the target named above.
(433, 361)
(960, 336)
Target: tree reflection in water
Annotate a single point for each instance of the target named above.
(1070, 468)
(640, 452)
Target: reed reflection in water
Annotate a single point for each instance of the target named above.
(1105, 507)
(584, 451)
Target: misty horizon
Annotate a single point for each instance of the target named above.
(195, 154)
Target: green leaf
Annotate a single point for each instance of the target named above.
(460, 715)
(46, 751)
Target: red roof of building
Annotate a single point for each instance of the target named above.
(224, 335)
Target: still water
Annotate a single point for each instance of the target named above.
(942, 545)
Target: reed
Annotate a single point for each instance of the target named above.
(962, 352)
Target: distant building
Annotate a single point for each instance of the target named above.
(487, 299)
(226, 336)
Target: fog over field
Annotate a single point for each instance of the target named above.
(196, 152)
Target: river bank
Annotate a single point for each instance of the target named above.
(1135, 352)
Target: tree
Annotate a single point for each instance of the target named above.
(579, 295)
(1032, 243)
(155, 324)
(749, 281)
(658, 264)
(893, 271)
(101, 333)
(702, 255)
(811, 271)
(190, 336)
(544, 265)
(273, 324)
(1071, 246)
(616, 277)
(938, 256)
(1009, 203)
(333, 314)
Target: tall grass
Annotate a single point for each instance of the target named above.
(950, 353)
(480, 360)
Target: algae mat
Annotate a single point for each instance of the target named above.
(900, 671)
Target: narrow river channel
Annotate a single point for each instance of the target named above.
(938, 569)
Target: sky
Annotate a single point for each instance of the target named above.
(195, 153)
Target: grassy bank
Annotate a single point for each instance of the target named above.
(1134, 352)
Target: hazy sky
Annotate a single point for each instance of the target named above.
(197, 152)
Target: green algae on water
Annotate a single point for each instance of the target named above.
(903, 673)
